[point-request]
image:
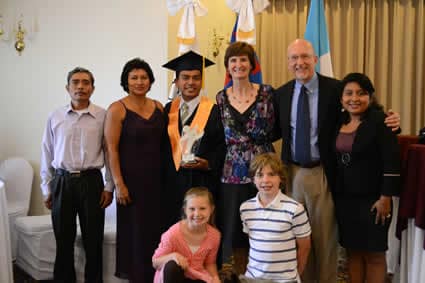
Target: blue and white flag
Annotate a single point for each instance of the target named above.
(317, 33)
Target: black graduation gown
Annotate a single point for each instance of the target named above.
(212, 148)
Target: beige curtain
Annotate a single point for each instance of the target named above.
(384, 39)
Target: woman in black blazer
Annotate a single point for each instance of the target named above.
(368, 174)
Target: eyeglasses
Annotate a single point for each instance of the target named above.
(303, 57)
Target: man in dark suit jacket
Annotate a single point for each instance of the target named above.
(309, 182)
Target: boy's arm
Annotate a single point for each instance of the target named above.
(242, 212)
(303, 249)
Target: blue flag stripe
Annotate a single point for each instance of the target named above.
(316, 31)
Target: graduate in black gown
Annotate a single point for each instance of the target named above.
(191, 109)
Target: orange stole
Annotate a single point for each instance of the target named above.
(200, 119)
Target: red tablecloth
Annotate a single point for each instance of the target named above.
(412, 197)
(404, 141)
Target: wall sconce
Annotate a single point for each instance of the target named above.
(1, 26)
(20, 43)
(216, 42)
(19, 33)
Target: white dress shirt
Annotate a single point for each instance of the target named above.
(73, 140)
(192, 106)
(313, 101)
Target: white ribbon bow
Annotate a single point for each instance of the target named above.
(246, 20)
(186, 34)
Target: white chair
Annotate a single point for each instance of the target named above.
(17, 174)
(37, 248)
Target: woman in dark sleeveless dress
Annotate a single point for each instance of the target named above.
(134, 127)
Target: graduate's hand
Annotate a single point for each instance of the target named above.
(393, 120)
(48, 201)
(181, 261)
(105, 199)
(122, 194)
(200, 164)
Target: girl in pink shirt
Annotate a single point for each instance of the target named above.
(188, 249)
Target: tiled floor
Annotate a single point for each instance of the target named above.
(342, 266)
(227, 269)
(21, 277)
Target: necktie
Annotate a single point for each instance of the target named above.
(302, 130)
(184, 112)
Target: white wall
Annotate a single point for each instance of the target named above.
(100, 35)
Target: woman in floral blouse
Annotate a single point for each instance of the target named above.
(247, 114)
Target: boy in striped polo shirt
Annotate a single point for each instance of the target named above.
(277, 226)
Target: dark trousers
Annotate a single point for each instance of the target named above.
(173, 273)
(72, 195)
(230, 198)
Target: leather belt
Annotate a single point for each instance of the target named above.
(75, 174)
(308, 165)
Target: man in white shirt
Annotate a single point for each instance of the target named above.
(71, 181)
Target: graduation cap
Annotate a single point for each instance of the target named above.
(188, 61)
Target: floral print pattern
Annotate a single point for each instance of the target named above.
(246, 141)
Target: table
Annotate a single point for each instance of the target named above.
(404, 141)
(411, 217)
(6, 273)
(393, 252)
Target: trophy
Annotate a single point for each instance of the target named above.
(189, 143)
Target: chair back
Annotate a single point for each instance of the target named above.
(17, 174)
